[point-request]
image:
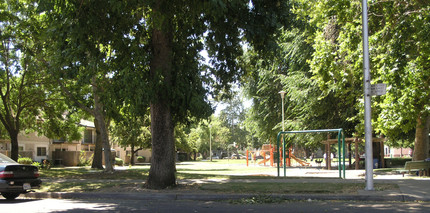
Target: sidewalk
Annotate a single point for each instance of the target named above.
(411, 188)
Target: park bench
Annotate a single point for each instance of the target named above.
(416, 166)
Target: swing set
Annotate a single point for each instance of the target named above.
(287, 155)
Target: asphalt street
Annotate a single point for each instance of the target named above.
(182, 206)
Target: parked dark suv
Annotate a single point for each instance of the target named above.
(16, 179)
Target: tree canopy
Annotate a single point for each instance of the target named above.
(29, 100)
(320, 67)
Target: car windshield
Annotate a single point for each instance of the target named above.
(5, 159)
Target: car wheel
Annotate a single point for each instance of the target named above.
(10, 195)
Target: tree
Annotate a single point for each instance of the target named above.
(158, 43)
(401, 61)
(214, 128)
(233, 117)
(81, 38)
(131, 130)
(27, 98)
(177, 29)
(319, 77)
(399, 41)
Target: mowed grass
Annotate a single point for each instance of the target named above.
(127, 179)
(292, 188)
(85, 173)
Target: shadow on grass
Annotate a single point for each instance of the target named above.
(291, 188)
(84, 173)
(201, 170)
(184, 175)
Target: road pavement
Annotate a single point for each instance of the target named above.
(187, 206)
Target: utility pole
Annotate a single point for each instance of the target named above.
(367, 102)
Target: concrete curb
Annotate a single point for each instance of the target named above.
(220, 197)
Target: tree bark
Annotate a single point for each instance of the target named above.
(132, 155)
(162, 171)
(98, 154)
(104, 137)
(99, 115)
(14, 142)
(421, 145)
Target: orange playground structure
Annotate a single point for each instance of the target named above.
(267, 152)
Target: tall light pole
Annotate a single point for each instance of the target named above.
(282, 97)
(283, 129)
(367, 102)
(210, 142)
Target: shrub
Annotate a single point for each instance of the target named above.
(27, 161)
(396, 162)
(141, 159)
(37, 164)
(119, 162)
(46, 164)
(83, 161)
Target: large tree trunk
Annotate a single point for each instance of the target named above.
(14, 142)
(132, 155)
(162, 171)
(98, 154)
(106, 145)
(99, 115)
(105, 140)
(421, 146)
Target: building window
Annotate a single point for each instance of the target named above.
(88, 136)
(41, 151)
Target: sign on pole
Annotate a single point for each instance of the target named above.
(378, 89)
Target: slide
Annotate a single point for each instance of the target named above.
(301, 162)
(264, 161)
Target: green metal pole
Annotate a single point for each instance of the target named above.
(338, 154)
(340, 147)
(277, 151)
(344, 153)
(283, 154)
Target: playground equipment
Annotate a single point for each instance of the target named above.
(266, 152)
(341, 148)
(378, 150)
(300, 161)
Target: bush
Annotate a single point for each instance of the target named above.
(119, 162)
(37, 164)
(46, 164)
(83, 161)
(27, 161)
(141, 159)
(396, 162)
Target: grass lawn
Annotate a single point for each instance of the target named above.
(292, 188)
(129, 179)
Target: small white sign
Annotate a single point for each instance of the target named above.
(378, 89)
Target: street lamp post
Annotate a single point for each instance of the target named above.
(283, 129)
(282, 97)
(210, 142)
